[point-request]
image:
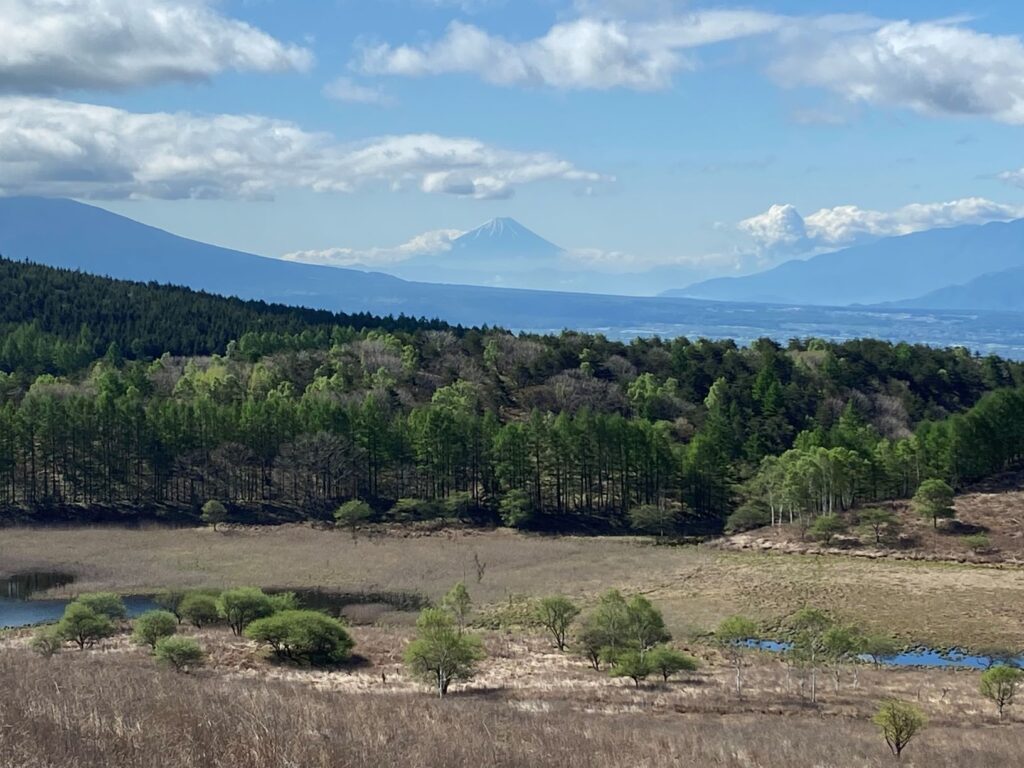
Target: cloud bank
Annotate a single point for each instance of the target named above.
(782, 231)
(585, 53)
(429, 243)
(51, 147)
(53, 45)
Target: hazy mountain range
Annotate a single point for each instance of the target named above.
(68, 234)
(968, 267)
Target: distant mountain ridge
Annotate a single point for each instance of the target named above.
(500, 252)
(76, 236)
(892, 270)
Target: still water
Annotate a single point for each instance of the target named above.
(916, 657)
(19, 609)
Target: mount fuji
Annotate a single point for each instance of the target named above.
(501, 252)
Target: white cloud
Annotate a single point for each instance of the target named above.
(586, 53)
(53, 45)
(781, 230)
(429, 243)
(347, 89)
(934, 68)
(60, 148)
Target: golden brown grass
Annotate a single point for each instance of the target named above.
(530, 706)
(934, 603)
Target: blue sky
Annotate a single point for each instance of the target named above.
(720, 137)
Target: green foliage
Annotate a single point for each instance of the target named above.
(304, 637)
(183, 654)
(656, 519)
(239, 607)
(516, 509)
(1000, 685)
(200, 609)
(301, 410)
(83, 626)
(878, 522)
(152, 626)
(617, 626)
(214, 513)
(632, 664)
(748, 516)
(284, 601)
(667, 661)
(170, 600)
(105, 604)
(878, 647)
(899, 722)
(441, 654)
(811, 637)
(405, 510)
(978, 542)
(934, 501)
(459, 604)
(556, 614)
(731, 637)
(47, 641)
(353, 513)
(826, 528)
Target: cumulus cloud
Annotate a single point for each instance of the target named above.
(585, 53)
(429, 243)
(781, 230)
(59, 148)
(933, 68)
(52, 45)
(347, 89)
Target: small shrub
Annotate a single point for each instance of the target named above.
(152, 626)
(306, 637)
(47, 642)
(214, 513)
(667, 661)
(416, 509)
(999, 685)
(181, 653)
(516, 509)
(747, 518)
(199, 609)
(352, 514)
(899, 722)
(239, 607)
(632, 664)
(170, 600)
(104, 603)
(826, 528)
(978, 543)
(441, 654)
(83, 626)
(556, 615)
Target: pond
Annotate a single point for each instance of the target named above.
(19, 609)
(914, 657)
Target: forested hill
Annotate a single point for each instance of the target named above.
(144, 320)
(144, 399)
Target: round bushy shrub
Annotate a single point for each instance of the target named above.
(306, 637)
(181, 653)
(153, 626)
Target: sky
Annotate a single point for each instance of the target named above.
(717, 137)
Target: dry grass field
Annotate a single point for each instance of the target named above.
(115, 708)
(936, 603)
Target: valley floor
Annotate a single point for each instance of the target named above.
(941, 604)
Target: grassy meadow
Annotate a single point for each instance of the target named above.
(937, 603)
